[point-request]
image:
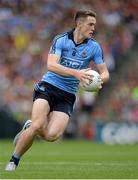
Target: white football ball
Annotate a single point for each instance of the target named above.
(95, 83)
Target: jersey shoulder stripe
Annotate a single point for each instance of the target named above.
(55, 40)
(99, 46)
(61, 35)
(94, 40)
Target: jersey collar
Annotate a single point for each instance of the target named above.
(71, 36)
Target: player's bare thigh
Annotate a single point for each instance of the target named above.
(50, 126)
(40, 111)
(56, 126)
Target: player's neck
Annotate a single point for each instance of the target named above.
(78, 38)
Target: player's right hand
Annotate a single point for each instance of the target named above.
(82, 75)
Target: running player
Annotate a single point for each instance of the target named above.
(54, 96)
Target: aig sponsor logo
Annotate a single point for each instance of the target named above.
(72, 64)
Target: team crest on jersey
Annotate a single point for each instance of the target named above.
(84, 54)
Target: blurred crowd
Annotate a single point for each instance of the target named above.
(122, 102)
(27, 28)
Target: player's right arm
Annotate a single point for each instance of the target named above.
(54, 66)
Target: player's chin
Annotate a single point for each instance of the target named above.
(90, 35)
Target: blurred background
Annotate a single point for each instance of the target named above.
(27, 28)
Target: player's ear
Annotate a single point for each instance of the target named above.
(79, 22)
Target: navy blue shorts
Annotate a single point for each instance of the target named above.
(59, 100)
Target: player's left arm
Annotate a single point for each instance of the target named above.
(100, 63)
(103, 71)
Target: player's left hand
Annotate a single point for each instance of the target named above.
(101, 82)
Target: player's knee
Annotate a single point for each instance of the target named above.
(52, 136)
(35, 128)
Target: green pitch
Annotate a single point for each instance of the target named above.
(72, 160)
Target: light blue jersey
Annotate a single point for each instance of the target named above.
(72, 55)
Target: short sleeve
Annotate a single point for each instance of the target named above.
(56, 47)
(98, 55)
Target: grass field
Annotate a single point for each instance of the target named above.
(72, 160)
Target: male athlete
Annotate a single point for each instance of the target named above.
(54, 96)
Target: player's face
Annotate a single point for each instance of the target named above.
(87, 27)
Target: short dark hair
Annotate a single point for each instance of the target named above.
(83, 14)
